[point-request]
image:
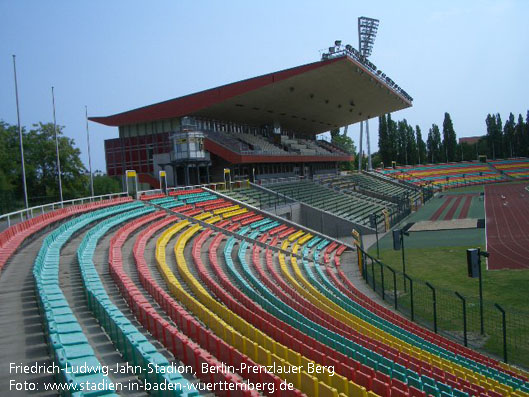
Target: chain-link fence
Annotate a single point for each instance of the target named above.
(452, 314)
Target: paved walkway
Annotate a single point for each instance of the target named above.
(22, 339)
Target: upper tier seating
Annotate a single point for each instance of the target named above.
(257, 143)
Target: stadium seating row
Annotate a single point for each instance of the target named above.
(514, 168)
(127, 339)
(295, 308)
(67, 343)
(371, 183)
(14, 236)
(446, 175)
(357, 210)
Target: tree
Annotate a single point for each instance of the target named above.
(449, 139)
(402, 142)
(421, 147)
(434, 144)
(384, 143)
(411, 145)
(519, 140)
(468, 151)
(508, 137)
(104, 184)
(41, 165)
(344, 141)
(494, 136)
(392, 137)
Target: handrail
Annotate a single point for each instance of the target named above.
(29, 212)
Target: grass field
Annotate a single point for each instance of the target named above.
(439, 257)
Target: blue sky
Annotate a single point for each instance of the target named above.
(468, 58)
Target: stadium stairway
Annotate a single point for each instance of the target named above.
(22, 340)
(71, 284)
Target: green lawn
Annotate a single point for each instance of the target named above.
(439, 257)
(467, 189)
(447, 268)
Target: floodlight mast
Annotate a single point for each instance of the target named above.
(367, 32)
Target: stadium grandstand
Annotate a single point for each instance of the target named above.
(263, 127)
(448, 175)
(229, 268)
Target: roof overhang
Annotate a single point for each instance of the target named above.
(308, 99)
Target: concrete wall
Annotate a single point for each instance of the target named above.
(328, 223)
(319, 220)
(292, 212)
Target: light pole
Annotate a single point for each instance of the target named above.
(57, 145)
(20, 136)
(89, 156)
(367, 32)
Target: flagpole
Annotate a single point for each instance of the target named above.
(57, 145)
(20, 137)
(89, 156)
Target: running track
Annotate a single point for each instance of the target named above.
(507, 226)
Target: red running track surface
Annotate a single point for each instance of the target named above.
(466, 206)
(440, 210)
(507, 220)
(451, 212)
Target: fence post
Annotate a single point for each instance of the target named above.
(394, 285)
(373, 273)
(504, 326)
(411, 297)
(382, 279)
(463, 300)
(434, 298)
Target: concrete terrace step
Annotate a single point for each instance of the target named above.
(22, 339)
(72, 286)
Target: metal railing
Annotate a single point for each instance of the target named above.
(31, 212)
(451, 314)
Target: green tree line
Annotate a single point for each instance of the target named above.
(41, 168)
(401, 142)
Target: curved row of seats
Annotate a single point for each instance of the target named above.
(446, 175)
(127, 339)
(265, 293)
(515, 168)
(67, 343)
(13, 237)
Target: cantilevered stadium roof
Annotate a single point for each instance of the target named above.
(308, 99)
